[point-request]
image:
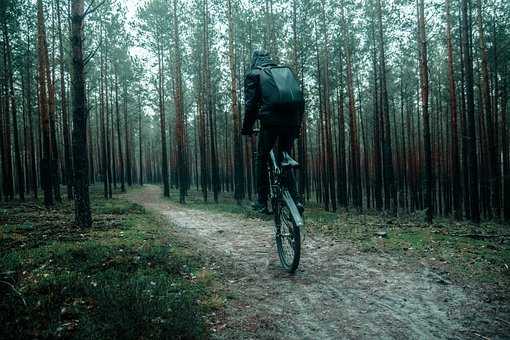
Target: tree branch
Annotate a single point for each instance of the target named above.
(91, 10)
(91, 55)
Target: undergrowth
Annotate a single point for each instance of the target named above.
(124, 278)
(478, 253)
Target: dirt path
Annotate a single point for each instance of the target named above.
(338, 292)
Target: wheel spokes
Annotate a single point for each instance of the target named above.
(287, 237)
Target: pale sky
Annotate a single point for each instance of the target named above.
(131, 6)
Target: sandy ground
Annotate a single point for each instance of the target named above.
(337, 293)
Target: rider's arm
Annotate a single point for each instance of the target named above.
(251, 99)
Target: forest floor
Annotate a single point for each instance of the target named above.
(127, 277)
(411, 281)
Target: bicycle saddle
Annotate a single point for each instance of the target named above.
(288, 162)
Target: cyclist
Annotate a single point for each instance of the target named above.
(280, 125)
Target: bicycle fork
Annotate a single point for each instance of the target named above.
(293, 208)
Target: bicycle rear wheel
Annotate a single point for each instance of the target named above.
(288, 238)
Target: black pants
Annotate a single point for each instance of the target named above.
(268, 137)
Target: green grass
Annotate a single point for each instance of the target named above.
(127, 277)
(226, 204)
(444, 245)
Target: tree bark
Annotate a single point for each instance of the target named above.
(182, 161)
(80, 156)
(357, 194)
(457, 191)
(20, 176)
(50, 81)
(506, 156)
(378, 170)
(389, 185)
(162, 125)
(463, 126)
(471, 122)
(424, 81)
(119, 143)
(341, 164)
(46, 156)
(33, 165)
(140, 158)
(238, 153)
(210, 109)
(68, 170)
(7, 146)
(330, 159)
(129, 169)
(492, 166)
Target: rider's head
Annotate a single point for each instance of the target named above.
(260, 58)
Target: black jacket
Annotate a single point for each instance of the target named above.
(254, 105)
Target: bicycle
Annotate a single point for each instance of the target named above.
(288, 221)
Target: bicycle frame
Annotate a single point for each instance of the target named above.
(281, 200)
(279, 191)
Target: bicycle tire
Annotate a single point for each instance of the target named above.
(288, 231)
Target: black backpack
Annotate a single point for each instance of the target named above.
(281, 92)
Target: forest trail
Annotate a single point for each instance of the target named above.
(338, 291)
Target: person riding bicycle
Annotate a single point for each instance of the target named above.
(278, 122)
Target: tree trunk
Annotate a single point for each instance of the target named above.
(33, 165)
(91, 150)
(26, 152)
(357, 194)
(12, 96)
(457, 191)
(7, 147)
(341, 171)
(119, 144)
(404, 162)
(463, 126)
(108, 141)
(50, 81)
(129, 168)
(330, 160)
(68, 172)
(494, 172)
(81, 201)
(46, 156)
(238, 153)
(111, 128)
(506, 156)
(201, 104)
(471, 122)
(162, 125)
(389, 185)
(378, 185)
(103, 142)
(424, 81)
(322, 163)
(140, 158)
(180, 121)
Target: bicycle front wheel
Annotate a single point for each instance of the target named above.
(288, 237)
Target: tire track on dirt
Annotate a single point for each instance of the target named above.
(338, 292)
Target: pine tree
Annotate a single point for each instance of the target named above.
(80, 156)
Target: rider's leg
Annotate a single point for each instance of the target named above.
(285, 142)
(267, 138)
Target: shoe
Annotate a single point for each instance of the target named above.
(260, 208)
